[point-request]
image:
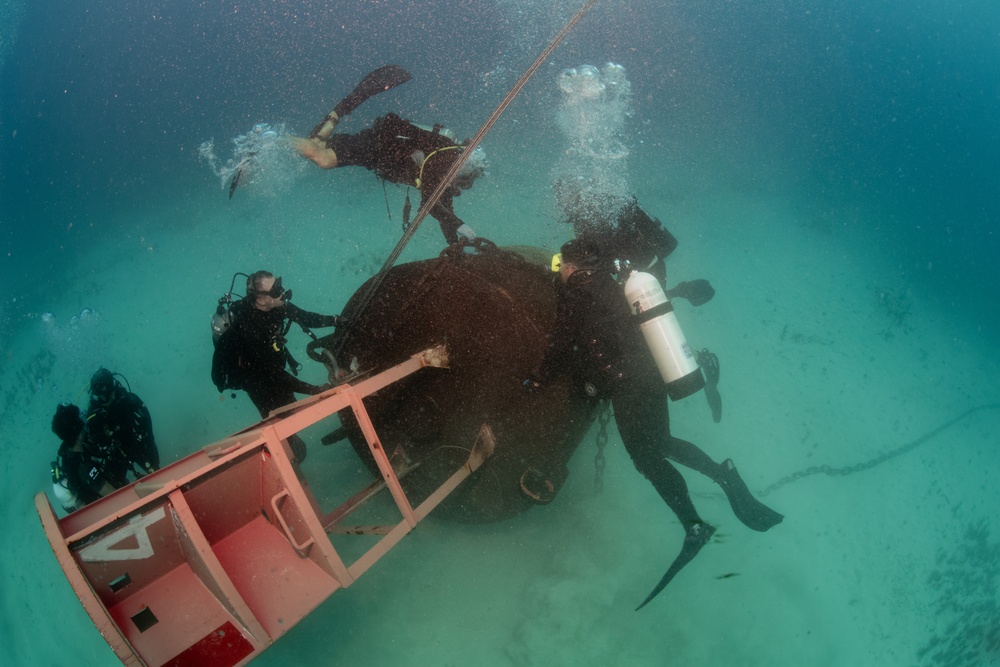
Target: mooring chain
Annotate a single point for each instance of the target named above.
(407, 208)
(478, 244)
(603, 417)
(835, 471)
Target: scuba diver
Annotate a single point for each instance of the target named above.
(631, 234)
(397, 151)
(80, 474)
(620, 228)
(250, 351)
(118, 423)
(598, 341)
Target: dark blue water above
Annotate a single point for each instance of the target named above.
(880, 114)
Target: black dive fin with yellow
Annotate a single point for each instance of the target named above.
(378, 81)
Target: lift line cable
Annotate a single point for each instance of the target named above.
(432, 201)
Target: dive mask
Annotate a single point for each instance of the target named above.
(277, 291)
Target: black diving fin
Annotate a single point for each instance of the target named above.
(754, 514)
(697, 537)
(239, 174)
(378, 81)
(236, 178)
(710, 367)
(698, 291)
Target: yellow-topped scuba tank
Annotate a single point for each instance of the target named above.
(663, 335)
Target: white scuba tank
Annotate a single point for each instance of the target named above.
(66, 498)
(663, 335)
(220, 322)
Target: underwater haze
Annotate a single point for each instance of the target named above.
(831, 167)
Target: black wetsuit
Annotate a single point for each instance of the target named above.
(251, 354)
(597, 341)
(122, 431)
(84, 474)
(395, 150)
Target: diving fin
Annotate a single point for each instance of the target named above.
(697, 537)
(378, 81)
(698, 291)
(710, 367)
(754, 514)
(239, 174)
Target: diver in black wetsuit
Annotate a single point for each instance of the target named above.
(251, 354)
(631, 234)
(80, 474)
(119, 424)
(399, 152)
(597, 341)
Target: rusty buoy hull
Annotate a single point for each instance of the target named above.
(494, 311)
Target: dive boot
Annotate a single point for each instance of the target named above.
(754, 514)
(325, 128)
(298, 447)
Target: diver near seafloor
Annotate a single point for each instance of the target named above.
(598, 341)
(250, 346)
(629, 233)
(118, 421)
(81, 473)
(397, 151)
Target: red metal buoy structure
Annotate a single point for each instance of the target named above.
(211, 559)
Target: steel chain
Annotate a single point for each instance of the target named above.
(603, 417)
(836, 471)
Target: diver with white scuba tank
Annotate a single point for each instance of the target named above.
(100, 448)
(629, 349)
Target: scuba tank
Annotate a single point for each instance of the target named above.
(67, 499)
(221, 320)
(60, 489)
(663, 335)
